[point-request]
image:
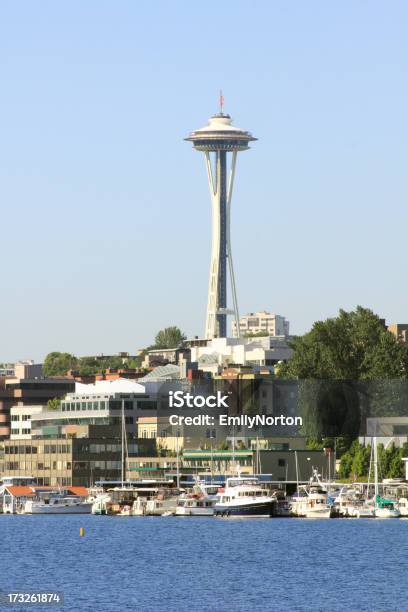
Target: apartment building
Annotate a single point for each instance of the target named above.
(69, 461)
(261, 322)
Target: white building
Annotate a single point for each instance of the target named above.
(387, 430)
(261, 322)
(220, 352)
(20, 417)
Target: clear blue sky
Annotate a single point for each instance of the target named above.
(105, 212)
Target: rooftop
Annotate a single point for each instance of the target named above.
(220, 133)
(109, 387)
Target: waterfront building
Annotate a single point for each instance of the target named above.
(261, 323)
(216, 140)
(168, 438)
(77, 461)
(278, 461)
(101, 403)
(150, 467)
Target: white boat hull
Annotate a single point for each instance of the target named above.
(318, 513)
(364, 513)
(85, 508)
(387, 513)
(194, 511)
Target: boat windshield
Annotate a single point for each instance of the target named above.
(238, 482)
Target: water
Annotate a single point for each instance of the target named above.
(187, 564)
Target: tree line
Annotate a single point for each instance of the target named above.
(59, 363)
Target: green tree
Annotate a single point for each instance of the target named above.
(346, 463)
(259, 334)
(170, 337)
(54, 403)
(58, 364)
(352, 346)
(361, 461)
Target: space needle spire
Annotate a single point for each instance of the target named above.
(216, 140)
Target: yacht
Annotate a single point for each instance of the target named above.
(243, 496)
(162, 504)
(200, 502)
(311, 501)
(316, 505)
(58, 503)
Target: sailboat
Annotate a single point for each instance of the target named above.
(383, 508)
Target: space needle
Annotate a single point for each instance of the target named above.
(216, 140)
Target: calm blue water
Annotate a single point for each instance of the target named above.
(180, 564)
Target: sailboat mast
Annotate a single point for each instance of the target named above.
(375, 469)
(178, 461)
(123, 445)
(297, 473)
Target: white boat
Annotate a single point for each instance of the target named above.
(364, 511)
(311, 501)
(351, 502)
(403, 506)
(200, 502)
(243, 496)
(193, 505)
(157, 506)
(384, 508)
(316, 505)
(58, 504)
(100, 504)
